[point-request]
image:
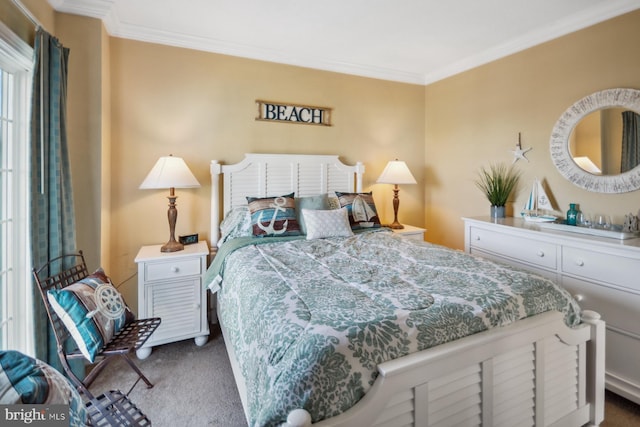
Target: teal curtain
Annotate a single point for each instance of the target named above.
(52, 217)
(630, 141)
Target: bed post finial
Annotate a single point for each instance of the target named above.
(298, 418)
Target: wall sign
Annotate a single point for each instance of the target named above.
(293, 113)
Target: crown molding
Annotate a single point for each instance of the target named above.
(92, 8)
(556, 29)
(104, 10)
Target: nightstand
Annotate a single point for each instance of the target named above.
(411, 232)
(170, 287)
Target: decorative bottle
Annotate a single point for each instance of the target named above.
(572, 214)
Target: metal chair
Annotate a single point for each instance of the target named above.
(66, 270)
(114, 408)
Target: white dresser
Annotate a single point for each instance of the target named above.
(170, 287)
(602, 273)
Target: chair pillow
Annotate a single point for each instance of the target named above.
(327, 223)
(24, 380)
(361, 208)
(273, 216)
(91, 323)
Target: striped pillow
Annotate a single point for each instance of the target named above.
(361, 208)
(274, 216)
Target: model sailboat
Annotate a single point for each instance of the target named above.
(536, 205)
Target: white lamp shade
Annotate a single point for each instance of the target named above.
(170, 172)
(396, 172)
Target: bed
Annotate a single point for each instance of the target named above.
(348, 324)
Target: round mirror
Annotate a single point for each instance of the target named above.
(595, 144)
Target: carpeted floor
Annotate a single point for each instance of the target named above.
(194, 387)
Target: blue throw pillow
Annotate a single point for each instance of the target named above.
(319, 202)
(24, 380)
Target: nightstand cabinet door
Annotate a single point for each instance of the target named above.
(178, 304)
(170, 287)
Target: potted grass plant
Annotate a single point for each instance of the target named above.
(497, 182)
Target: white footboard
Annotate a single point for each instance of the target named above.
(535, 372)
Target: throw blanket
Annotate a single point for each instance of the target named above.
(311, 319)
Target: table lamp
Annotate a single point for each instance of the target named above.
(396, 172)
(170, 172)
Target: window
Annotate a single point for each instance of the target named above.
(16, 326)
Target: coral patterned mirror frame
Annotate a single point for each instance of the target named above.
(559, 143)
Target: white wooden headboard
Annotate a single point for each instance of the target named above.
(262, 175)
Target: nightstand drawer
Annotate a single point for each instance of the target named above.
(172, 269)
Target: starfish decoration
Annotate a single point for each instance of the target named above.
(519, 152)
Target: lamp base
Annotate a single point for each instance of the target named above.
(395, 226)
(172, 246)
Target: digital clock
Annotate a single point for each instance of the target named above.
(188, 239)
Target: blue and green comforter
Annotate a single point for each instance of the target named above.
(310, 320)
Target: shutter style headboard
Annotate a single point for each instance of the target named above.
(262, 175)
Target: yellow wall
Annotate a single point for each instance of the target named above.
(473, 119)
(85, 111)
(201, 106)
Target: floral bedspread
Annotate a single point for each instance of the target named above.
(311, 319)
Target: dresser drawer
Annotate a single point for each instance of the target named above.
(608, 268)
(536, 252)
(172, 269)
(617, 308)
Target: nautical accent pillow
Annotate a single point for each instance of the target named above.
(361, 209)
(327, 223)
(24, 380)
(92, 310)
(320, 201)
(273, 216)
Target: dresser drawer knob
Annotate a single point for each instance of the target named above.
(579, 263)
(174, 269)
(578, 297)
(478, 238)
(541, 254)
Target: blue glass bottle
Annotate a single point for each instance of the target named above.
(572, 214)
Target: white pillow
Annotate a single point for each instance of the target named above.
(327, 223)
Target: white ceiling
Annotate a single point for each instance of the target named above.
(413, 41)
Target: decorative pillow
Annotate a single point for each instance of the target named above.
(236, 223)
(327, 223)
(334, 203)
(24, 380)
(273, 216)
(92, 310)
(319, 202)
(361, 208)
